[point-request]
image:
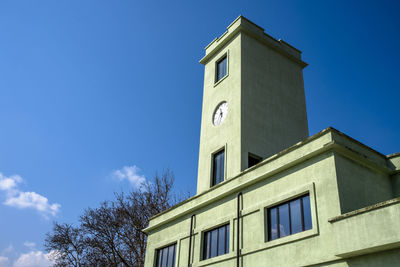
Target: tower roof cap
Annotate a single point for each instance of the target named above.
(242, 24)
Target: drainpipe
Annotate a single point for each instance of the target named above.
(238, 230)
(190, 238)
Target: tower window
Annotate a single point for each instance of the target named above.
(289, 218)
(166, 256)
(218, 167)
(221, 68)
(253, 160)
(216, 242)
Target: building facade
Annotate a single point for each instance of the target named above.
(267, 193)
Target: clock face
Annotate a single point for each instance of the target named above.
(220, 113)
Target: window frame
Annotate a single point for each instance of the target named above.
(175, 245)
(281, 198)
(288, 203)
(227, 241)
(213, 155)
(224, 56)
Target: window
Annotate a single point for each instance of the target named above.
(218, 167)
(289, 218)
(166, 256)
(216, 242)
(253, 160)
(221, 68)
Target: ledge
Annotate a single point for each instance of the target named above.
(364, 210)
(368, 230)
(311, 147)
(393, 155)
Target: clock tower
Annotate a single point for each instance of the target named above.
(253, 102)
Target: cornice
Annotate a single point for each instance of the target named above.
(251, 29)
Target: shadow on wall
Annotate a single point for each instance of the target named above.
(378, 259)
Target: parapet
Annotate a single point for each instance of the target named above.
(242, 24)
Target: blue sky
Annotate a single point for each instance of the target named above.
(97, 94)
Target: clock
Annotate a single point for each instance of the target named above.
(220, 113)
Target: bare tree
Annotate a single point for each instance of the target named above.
(137, 208)
(69, 244)
(111, 235)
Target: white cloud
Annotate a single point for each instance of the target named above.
(130, 173)
(9, 183)
(3, 261)
(20, 199)
(8, 250)
(33, 200)
(34, 259)
(30, 245)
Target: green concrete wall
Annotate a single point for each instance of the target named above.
(273, 102)
(226, 135)
(360, 186)
(355, 220)
(394, 163)
(395, 179)
(318, 166)
(371, 229)
(265, 95)
(281, 187)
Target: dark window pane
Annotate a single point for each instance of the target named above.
(221, 160)
(221, 69)
(159, 258)
(307, 213)
(295, 216)
(273, 224)
(218, 168)
(216, 242)
(224, 67)
(284, 228)
(227, 239)
(164, 258)
(214, 234)
(207, 244)
(289, 218)
(170, 256)
(221, 240)
(173, 255)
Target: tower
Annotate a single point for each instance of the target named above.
(300, 198)
(253, 102)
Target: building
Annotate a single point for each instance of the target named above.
(267, 193)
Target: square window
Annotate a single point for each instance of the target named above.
(221, 68)
(166, 256)
(289, 218)
(216, 242)
(218, 167)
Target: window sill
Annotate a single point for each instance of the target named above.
(220, 80)
(216, 259)
(283, 240)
